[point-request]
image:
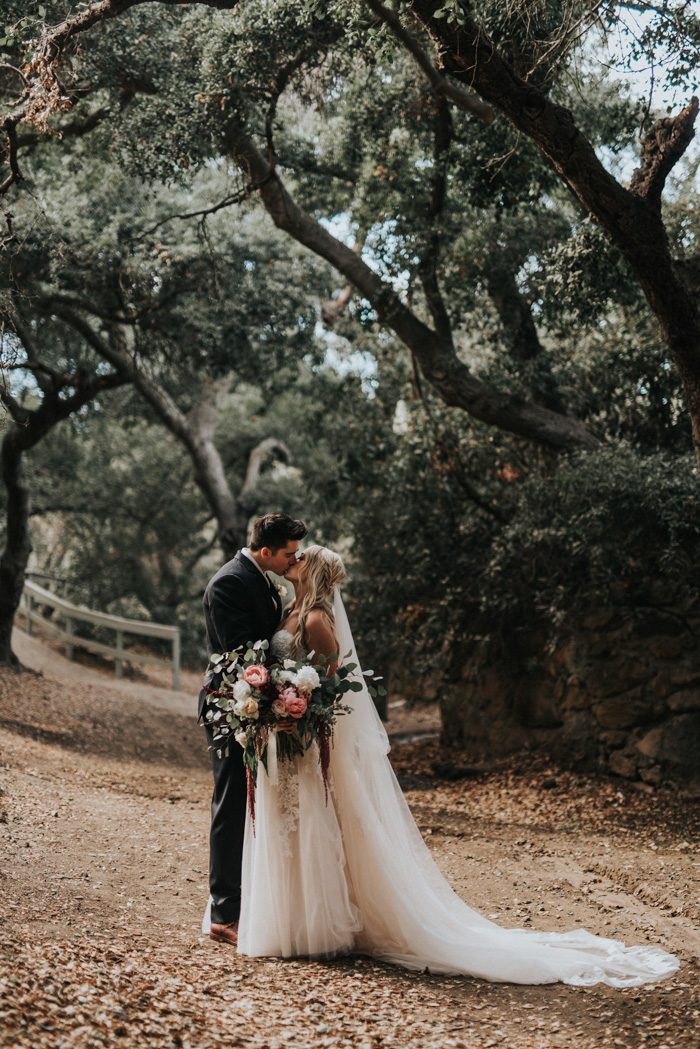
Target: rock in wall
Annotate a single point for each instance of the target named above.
(618, 692)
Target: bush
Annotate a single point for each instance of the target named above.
(607, 527)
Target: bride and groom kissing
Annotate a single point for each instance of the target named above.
(325, 873)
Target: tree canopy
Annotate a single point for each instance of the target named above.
(425, 274)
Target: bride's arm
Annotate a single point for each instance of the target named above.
(321, 639)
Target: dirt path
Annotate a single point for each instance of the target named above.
(104, 817)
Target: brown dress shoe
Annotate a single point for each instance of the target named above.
(225, 933)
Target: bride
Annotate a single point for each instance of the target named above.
(354, 874)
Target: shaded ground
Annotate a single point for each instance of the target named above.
(104, 818)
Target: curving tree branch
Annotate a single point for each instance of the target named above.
(195, 429)
(433, 350)
(63, 395)
(631, 216)
(71, 129)
(269, 448)
(428, 267)
(465, 100)
(44, 93)
(663, 146)
(282, 78)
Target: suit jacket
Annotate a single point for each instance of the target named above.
(240, 605)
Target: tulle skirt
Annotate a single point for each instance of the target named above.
(295, 891)
(323, 877)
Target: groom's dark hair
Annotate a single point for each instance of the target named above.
(275, 530)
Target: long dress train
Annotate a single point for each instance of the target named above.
(355, 875)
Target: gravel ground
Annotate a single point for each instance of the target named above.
(104, 818)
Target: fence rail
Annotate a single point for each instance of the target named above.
(34, 596)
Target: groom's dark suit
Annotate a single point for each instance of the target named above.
(240, 605)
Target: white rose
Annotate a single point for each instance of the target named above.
(307, 680)
(240, 736)
(247, 708)
(241, 691)
(283, 677)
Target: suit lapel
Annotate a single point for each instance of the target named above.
(252, 571)
(267, 592)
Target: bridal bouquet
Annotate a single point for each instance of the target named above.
(296, 700)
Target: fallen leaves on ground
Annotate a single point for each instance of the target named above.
(103, 881)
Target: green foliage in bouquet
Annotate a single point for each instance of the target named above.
(249, 698)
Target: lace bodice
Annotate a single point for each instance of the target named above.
(282, 646)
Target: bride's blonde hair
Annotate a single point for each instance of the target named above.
(324, 572)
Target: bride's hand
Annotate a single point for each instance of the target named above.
(287, 725)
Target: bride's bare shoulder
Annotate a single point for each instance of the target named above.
(318, 628)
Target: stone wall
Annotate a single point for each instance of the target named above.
(618, 693)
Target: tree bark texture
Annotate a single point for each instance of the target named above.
(631, 216)
(25, 431)
(18, 544)
(433, 350)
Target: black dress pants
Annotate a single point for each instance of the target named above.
(228, 813)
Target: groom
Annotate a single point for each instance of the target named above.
(241, 604)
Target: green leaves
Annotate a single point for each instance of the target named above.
(451, 11)
(17, 32)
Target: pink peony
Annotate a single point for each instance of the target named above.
(294, 704)
(256, 676)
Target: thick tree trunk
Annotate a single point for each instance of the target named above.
(687, 357)
(196, 431)
(675, 305)
(232, 512)
(210, 476)
(18, 545)
(27, 428)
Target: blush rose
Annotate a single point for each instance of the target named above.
(256, 676)
(294, 704)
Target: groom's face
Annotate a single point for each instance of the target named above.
(279, 561)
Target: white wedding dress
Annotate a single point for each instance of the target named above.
(355, 874)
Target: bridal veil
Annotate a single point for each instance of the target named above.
(364, 880)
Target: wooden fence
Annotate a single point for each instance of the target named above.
(35, 597)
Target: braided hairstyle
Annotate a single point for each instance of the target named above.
(323, 573)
